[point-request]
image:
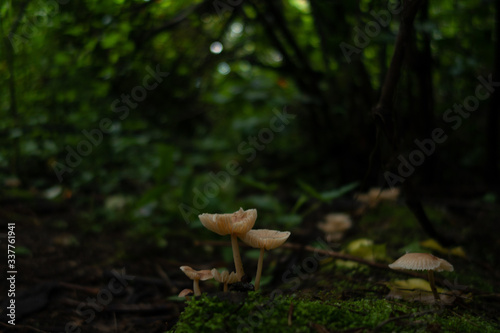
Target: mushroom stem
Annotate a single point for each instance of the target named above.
(430, 274)
(236, 255)
(259, 269)
(196, 287)
(225, 287)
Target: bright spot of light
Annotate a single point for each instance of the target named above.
(223, 68)
(276, 56)
(237, 27)
(216, 47)
(301, 5)
(107, 19)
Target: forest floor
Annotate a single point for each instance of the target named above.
(72, 278)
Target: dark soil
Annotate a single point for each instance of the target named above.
(70, 278)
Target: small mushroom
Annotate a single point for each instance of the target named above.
(196, 276)
(390, 194)
(264, 239)
(186, 293)
(375, 195)
(235, 224)
(225, 278)
(423, 262)
(335, 225)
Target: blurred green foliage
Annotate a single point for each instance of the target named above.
(67, 66)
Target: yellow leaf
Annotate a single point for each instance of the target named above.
(417, 290)
(413, 283)
(433, 245)
(366, 249)
(346, 264)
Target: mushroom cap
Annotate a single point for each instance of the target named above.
(264, 238)
(375, 195)
(224, 276)
(422, 261)
(390, 194)
(237, 223)
(197, 275)
(185, 292)
(335, 222)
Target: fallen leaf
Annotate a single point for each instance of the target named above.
(432, 244)
(417, 290)
(366, 249)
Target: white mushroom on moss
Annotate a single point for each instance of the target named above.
(235, 224)
(197, 276)
(264, 239)
(224, 277)
(423, 262)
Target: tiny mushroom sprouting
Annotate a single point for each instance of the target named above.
(224, 277)
(235, 224)
(186, 293)
(264, 239)
(197, 276)
(423, 262)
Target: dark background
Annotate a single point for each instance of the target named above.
(121, 121)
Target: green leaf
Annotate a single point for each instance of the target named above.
(337, 193)
(328, 195)
(365, 248)
(268, 187)
(110, 39)
(309, 189)
(289, 221)
(300, 201)
(23, 251)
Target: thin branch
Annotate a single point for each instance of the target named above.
(168, 283)
(9, 55)
(281, 24)
(382, 112)
(179, 18)
(20, 16)
(333, 254)
(492, 136)
(271, 34)
(315, 13)
(311, 77)
(418, 211)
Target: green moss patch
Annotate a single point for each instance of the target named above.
(259, 313)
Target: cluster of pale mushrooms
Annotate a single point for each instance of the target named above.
(238, 225)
